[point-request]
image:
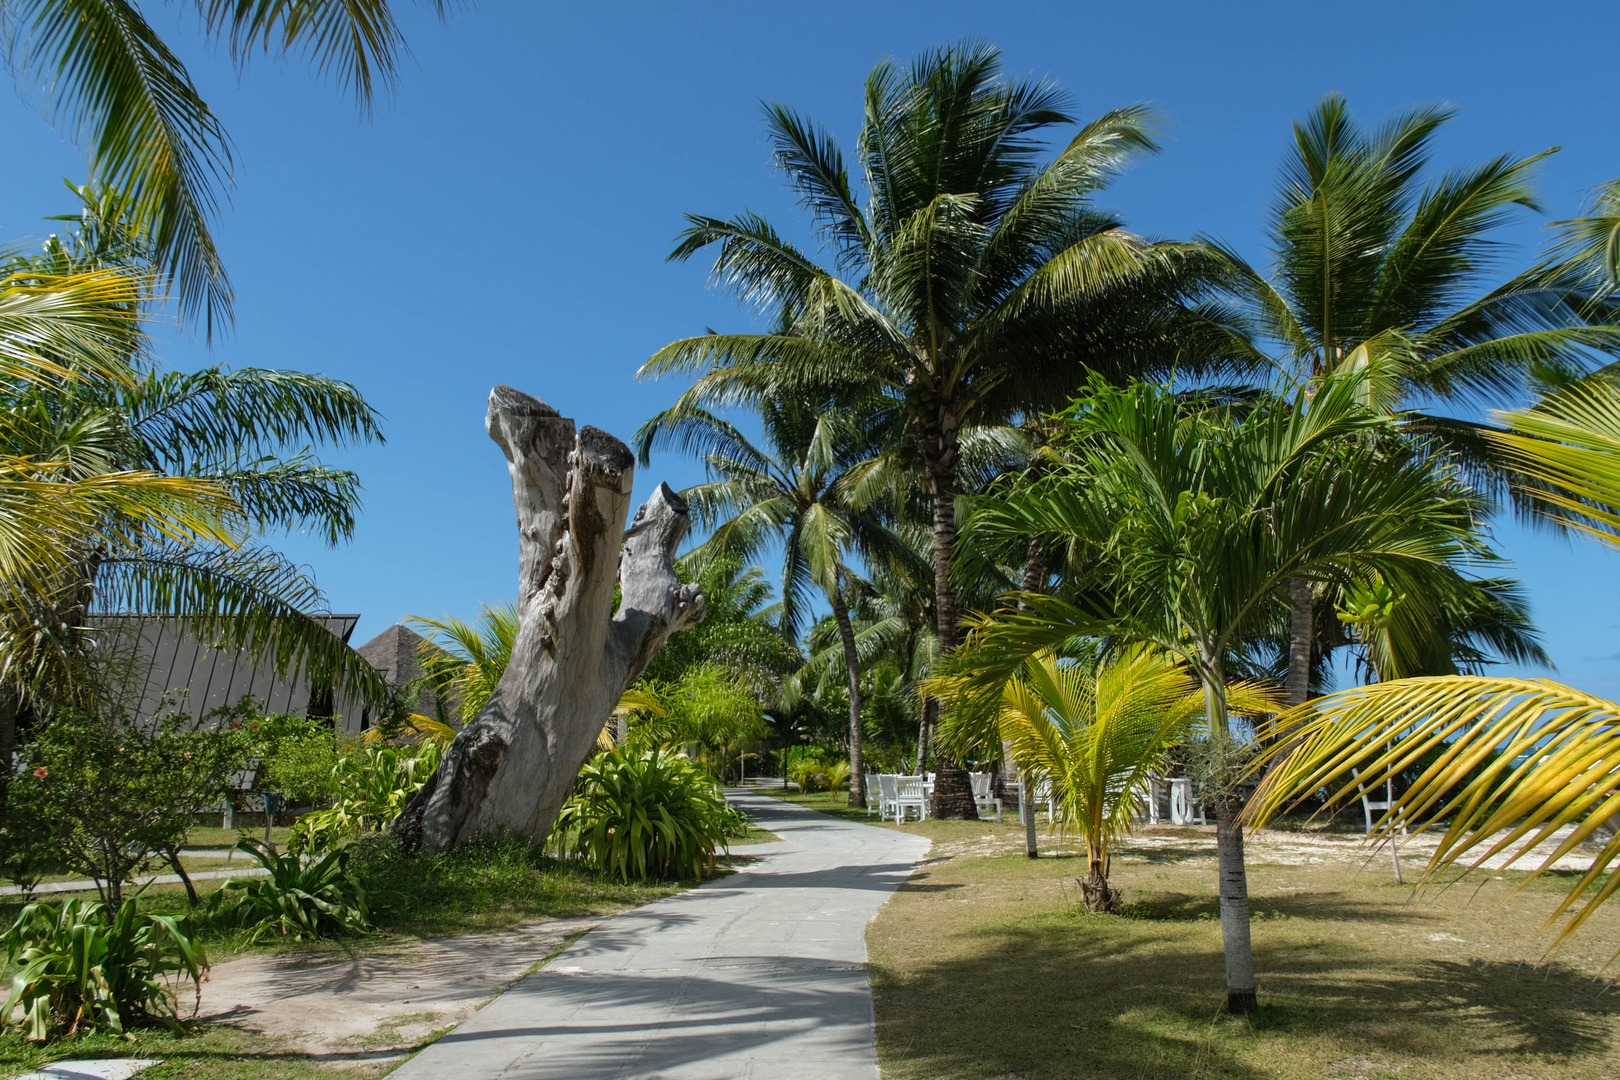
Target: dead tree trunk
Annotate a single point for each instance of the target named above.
(509, 772)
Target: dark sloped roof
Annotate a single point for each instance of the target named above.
(158, 657)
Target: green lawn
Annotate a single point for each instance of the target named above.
(984, 965)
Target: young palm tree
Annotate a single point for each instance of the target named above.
(1376, 268)
(970, 283)
(150, 137)
(1095, 728)
(813, 493)
(1192, 524)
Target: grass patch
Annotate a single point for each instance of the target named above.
(984, 965)
(207, 1054)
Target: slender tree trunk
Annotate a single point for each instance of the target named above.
(172, 857)
(1034, 579)
(509, 772)
(9, 708)
(953, 793)
(1241, 996)
(1300, 634)
(852, 676)
(924, 730)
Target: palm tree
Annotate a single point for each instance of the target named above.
(973, 284)
(1194, 522)
(1095, 727)
(151, 139)
(99, 418)
(813, 493)
(1378, 270)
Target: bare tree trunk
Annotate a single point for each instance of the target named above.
(1300, 633)
(953, 793)
(510, 770)
(852, 676)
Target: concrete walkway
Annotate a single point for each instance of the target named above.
(758, 974)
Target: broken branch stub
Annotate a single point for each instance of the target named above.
(509, 772)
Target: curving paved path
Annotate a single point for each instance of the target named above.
(758, 974)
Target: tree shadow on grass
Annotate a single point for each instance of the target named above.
(1054, 1001)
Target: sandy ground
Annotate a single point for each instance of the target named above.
(378, 1004)
(1160, 843)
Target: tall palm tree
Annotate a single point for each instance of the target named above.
(813, 492)
(1194, 523)
(114, 85)
(1380, 269)
(970, 283)
(1094, 728)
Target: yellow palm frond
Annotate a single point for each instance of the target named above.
(1570, 442)
(1505, 763)
(425, 729)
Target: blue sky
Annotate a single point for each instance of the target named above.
(506, 216)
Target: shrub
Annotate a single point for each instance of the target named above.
(650, 815)
(80, 972)
(372, 785)
(106, 796)
(314, 899)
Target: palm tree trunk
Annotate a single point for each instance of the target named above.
(930, 706)
(1300, 633)
(1034, 578)
(1095, 891)
(1241, 997)
(852, 676)
(953, 794)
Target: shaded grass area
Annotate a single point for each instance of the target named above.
(987, 967)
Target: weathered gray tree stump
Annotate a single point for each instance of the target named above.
(510, 771)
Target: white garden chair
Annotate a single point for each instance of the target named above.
(1185, 809)
(888, 796)
(872, 798)
(909, 794)
(983, 798)
(1368, 806)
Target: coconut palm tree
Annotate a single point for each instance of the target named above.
(1192, 523)
(1380, 269)
(970, 282)
(1095, 728)
(113, 84)
(813, 492)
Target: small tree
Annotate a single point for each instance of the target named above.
(108, 796)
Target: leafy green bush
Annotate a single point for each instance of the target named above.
(650, 815)
(104, 796)
(372, 786)
(80, 972)
(319, 898)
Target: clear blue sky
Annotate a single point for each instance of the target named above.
(505, 218)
